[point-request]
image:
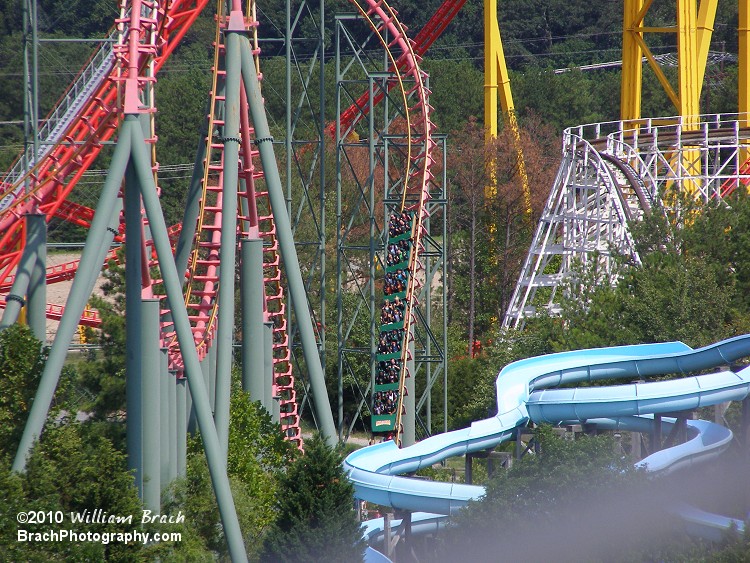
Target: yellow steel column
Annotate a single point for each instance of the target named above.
(743, 86)
(497, 84)
(689, 89)
(490, 68)
(688, 62)
(743, 77)
(705, 29)
(632, 55)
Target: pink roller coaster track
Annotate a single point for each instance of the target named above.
(57, 172)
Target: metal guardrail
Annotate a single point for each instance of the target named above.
(64, 114)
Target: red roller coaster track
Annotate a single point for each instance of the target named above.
(57, 172)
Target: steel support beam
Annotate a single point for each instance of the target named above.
(98, 241)
(632, 65)
(152, 404)
(743, 66)
(228, 251)
(36, 242)
(133, 329)
(286, 244)
(251, 294)
(172, 285)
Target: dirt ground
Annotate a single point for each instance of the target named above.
(57, 293)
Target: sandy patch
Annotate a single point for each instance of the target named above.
(57, 293)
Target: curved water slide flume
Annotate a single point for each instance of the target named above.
(525, 393)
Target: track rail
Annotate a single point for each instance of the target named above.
(92, 117)
(422, 42)
(384, 22)
(96, 116)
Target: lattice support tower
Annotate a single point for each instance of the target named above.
(373, 151)
(611, 175)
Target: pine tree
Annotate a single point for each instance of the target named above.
(316, 520)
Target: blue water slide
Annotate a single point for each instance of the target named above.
(526, 391)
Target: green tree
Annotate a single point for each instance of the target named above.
(21, 363)
(316, 520)
(257, 455)
(104, 379)
(69, 470)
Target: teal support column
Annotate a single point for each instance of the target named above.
(408, 420)
(268, 380)
(173, 437)
(14, 301)
(206, 373)
(192, 422)
(152, 405)
(427, 300)
(98, 241)
(228, 252)
(164, 425)
(182, 426)
(322, 177)
(276, 414)
(251, 293)
(133, 328)
(286, 244)
(30, 280)
(184, 245)
(36, 238)
(175, 300)
(212, 378)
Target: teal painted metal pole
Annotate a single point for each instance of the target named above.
(408, 420)
(184, 245)
(182, 426)
(172, 285)
(192, 422)
(445, 290)
(339, 242)
(98, 241)
(30, 279)
(206, 373)
(192, 208)
(322, 177)
(276, 414)
(152, 404)
(251, 293)
(212, 379)
(228, 252)
(133, 328)
(427, 300)
(286, 244)
(14, 301)
(164, 436)
(268, 380)
(373, 311)
(36, 237)
(173, 437)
